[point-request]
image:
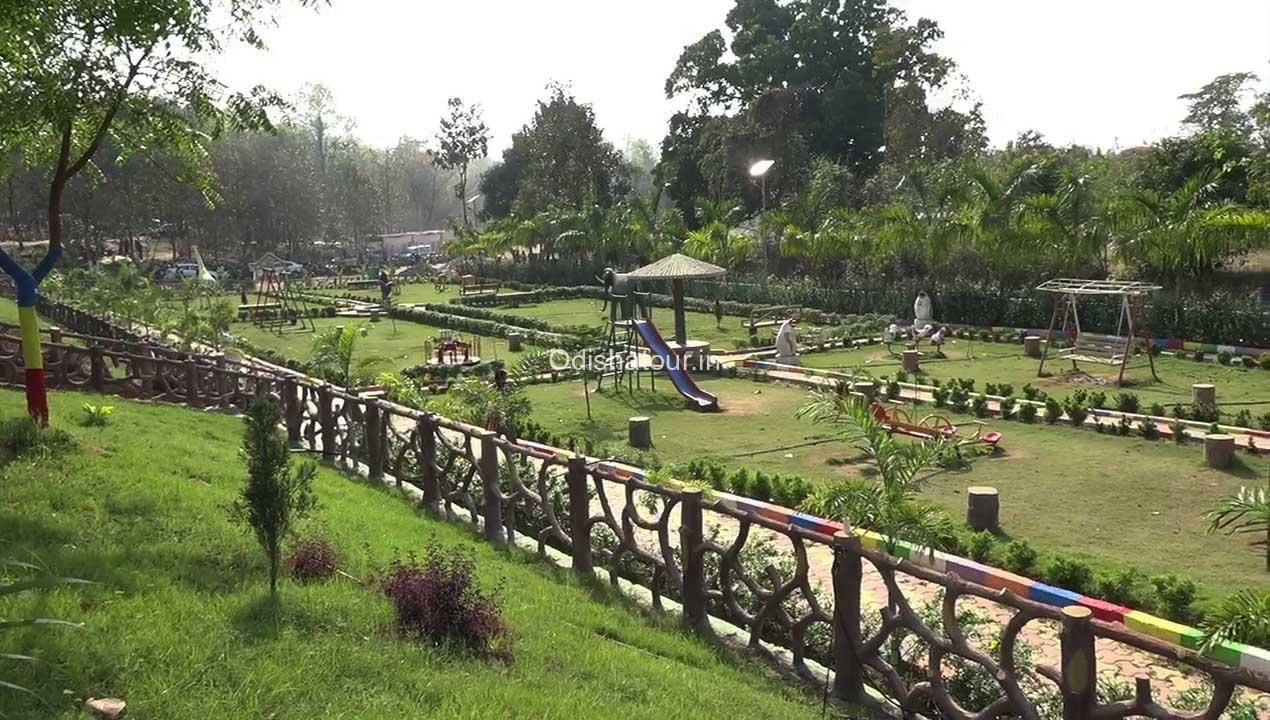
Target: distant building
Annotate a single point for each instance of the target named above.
(419, 242)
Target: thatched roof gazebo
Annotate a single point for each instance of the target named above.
(677, 268)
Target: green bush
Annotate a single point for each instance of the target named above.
(1158, 410)
(979, 546)
(1070, 574)
(761, 487)
(901, 376)
(1149, 430)
(1244, 418)
(1127, 402)
(979, 406)
(1263, 421)
(1123, 428)
(1019, 557)
(1076, 414)
(1179, 431)
(1174, 597)
(1030, 392)
(990, 388)
(940, 396)
(1248, 361)
(1098, 399)
(1264, 361)
(739, 482)
(1224, 357)
(1205, 412)
(1027, 413)
(893, 390)
(1005, 389)
(1127, 587)
(1198, 356)
(1007, 405)
(1053, 411)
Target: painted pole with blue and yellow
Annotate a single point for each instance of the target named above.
(32, 355)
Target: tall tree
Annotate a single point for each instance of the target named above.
(560, 160)
(76, 72)
(463, 138)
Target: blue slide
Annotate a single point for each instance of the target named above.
(671, 364)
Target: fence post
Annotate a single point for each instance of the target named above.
(580, 516)
(97, 368)
(848, 673)
(493, 505)
(691, 537)
(292, 410)
(1079, 664)
(55, 334)
(428, 448)
(374, 451)
(219, 374)
(191, 383)
(326, 422)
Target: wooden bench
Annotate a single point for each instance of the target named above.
(772, 316)
(469, 289)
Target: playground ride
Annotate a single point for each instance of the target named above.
(450, 350)
(277, 307)
(930, 427)
(1114, 350)
(621, 356)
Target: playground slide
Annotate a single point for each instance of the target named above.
(678, 375)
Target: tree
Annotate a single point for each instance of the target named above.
(1219, 105)
(462, 139)
(276, 495)
(333, 353)
(74, 73)
(560, 160)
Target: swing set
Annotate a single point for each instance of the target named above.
(1114, 350)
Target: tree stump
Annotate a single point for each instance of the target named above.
(865, 388)
(514, 341)
(639, 432)
(983, 508)
(911, 358)
(1219, 450)
(1204, 393)
(1032, 346)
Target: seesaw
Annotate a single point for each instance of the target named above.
(930, 427)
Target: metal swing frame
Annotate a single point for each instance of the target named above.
(1091, 347)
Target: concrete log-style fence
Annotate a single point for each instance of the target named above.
(510, 487)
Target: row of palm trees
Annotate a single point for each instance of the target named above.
(1027, 221)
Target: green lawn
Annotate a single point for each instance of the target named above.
(1115, 500)
(390, 350)
(422, 292)
(180, 625)
(1006, 363)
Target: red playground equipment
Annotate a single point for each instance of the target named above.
(928, 428)
(451, 351)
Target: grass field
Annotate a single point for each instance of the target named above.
(180, 625)
(1237, 387)
(1114, 500)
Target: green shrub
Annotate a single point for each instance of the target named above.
(1248, 361)
(979, 546)
(1007, 405)
(979, 406)
(1005, 389)
(1027, 413)
(1224, 357)
(1078, 397)
(959, 398)
(1158, 410)
(1174, 597)
(761, 487)
(1263, 421)
(1127, 402)
(1179, 431)
(1019, 557)
(1029, 392)
(990, 388)
(1070, 574)
(1198, 356)
(1149, 429)
(739, 482)
(23, 438)
(901, 376)
(1126, 587)
(1264, 361)
(1076, 414)
(1098, 399)
(893, 390)
(940, 396)
(1205, 412)
(1123, 428)
(96, 415)
(1053, 411)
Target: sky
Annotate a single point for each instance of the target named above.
(1105, 73)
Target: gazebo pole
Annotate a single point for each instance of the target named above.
(677, 298)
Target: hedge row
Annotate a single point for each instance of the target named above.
(1214, 316)
(529, 323)
(478, 326)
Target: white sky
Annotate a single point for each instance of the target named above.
(1097, 72)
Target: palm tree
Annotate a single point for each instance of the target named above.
(332, 355)
(887, 504)
(1245, 513)
(1243, 617)
(1184, 233)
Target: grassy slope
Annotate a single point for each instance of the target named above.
(1062, 489)
(1000, 362)
(180, 626)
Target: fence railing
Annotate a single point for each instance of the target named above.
(696, 547)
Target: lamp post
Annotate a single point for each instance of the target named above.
(759, 170)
